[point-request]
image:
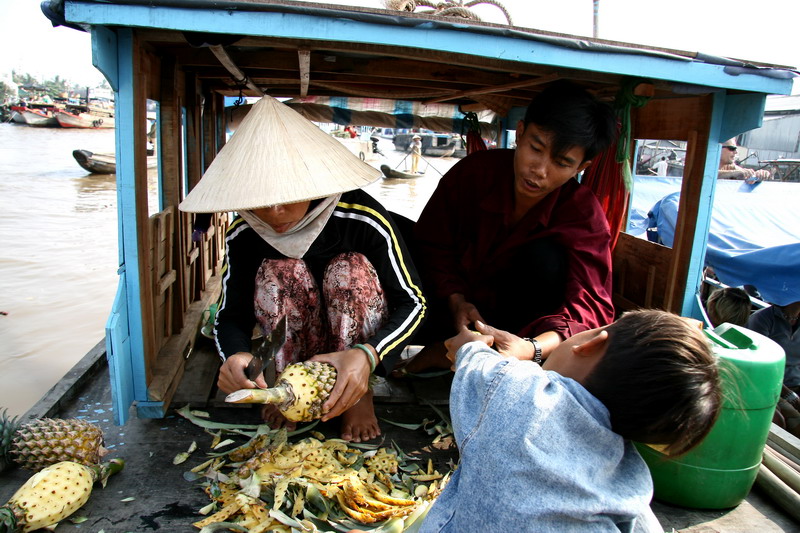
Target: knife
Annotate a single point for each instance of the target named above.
(266, 352)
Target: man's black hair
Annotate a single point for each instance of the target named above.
(574, 117)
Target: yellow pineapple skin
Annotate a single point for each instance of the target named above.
(299, 392)
(310, 384)
(47, 441)
(51, 495)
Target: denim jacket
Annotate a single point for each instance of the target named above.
(537, 454)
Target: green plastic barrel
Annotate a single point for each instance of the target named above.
(719, 473)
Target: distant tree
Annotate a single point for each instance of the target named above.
(23, 79)
(7, 94)
(56, 87)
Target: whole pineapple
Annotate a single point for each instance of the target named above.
(299, 391)
(47, 441)
(52, 494)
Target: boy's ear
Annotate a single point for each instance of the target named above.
(592, 346)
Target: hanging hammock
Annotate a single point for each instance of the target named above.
(609, 175)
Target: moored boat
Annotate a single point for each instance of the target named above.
(67, 119)
(433, 144)
(95, 163)
(34, 117)
(103, 163)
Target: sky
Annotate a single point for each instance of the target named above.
(762, 30)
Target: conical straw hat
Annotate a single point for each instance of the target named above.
(276, 156)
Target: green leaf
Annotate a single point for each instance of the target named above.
(414, 521)
(285, 519)
(317, 502)
(128, 499)
(180, 458)
(403, 456)
(219, 526)
(191, 476)
(300, 431)
(210, 508)
(439, 412)
(252, 486)
(226, 442)
(207, 424)
(412, 427)
(364, 446)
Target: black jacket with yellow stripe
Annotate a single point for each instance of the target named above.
(359, 224)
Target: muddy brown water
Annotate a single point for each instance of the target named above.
(58, 249)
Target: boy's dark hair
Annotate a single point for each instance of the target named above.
(574, 117)
(659, 380)
(730, 304)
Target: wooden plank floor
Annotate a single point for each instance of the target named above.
(164, 501)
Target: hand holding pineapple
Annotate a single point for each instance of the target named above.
(326, 386)
(352, 380)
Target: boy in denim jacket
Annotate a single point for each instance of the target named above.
(549, 448)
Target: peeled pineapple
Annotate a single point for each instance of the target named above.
(47, 441)
(53, 494)
(299, 392)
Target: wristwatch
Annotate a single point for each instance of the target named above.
(537, 350)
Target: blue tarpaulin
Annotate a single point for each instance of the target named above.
(754, 237)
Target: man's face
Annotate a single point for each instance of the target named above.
(537, 171)
(728, 155)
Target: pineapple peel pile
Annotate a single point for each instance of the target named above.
(315, 485)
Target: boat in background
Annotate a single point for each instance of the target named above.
(390, 173)
(96, 163)
(33, 116)
(67, 119)
(105, 163)
(433, 144)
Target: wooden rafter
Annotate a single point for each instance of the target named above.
(239, 76)
(495, 89)
(304, 60)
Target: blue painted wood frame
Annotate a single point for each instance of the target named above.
(425, 36)
(731, 115)
(112, 53)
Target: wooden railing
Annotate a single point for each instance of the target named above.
(180, 292)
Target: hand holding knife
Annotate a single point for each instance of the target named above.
(265, 353)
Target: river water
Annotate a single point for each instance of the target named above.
(58, 250)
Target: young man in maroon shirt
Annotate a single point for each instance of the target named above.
(512, 239)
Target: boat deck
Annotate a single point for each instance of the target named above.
(151, 494)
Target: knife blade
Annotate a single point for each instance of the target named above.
(266, 352)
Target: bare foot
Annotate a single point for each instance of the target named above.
(431, 356)
(273, 417)
(359, 423)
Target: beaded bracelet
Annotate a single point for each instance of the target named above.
(372, 362)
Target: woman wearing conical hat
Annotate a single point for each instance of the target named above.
(309, 245)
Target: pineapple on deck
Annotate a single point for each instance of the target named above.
(151, 493)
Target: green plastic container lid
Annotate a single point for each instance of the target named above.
(752, 365)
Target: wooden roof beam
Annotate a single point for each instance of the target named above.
(495, 89)
(238, 76)
(304, 58)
